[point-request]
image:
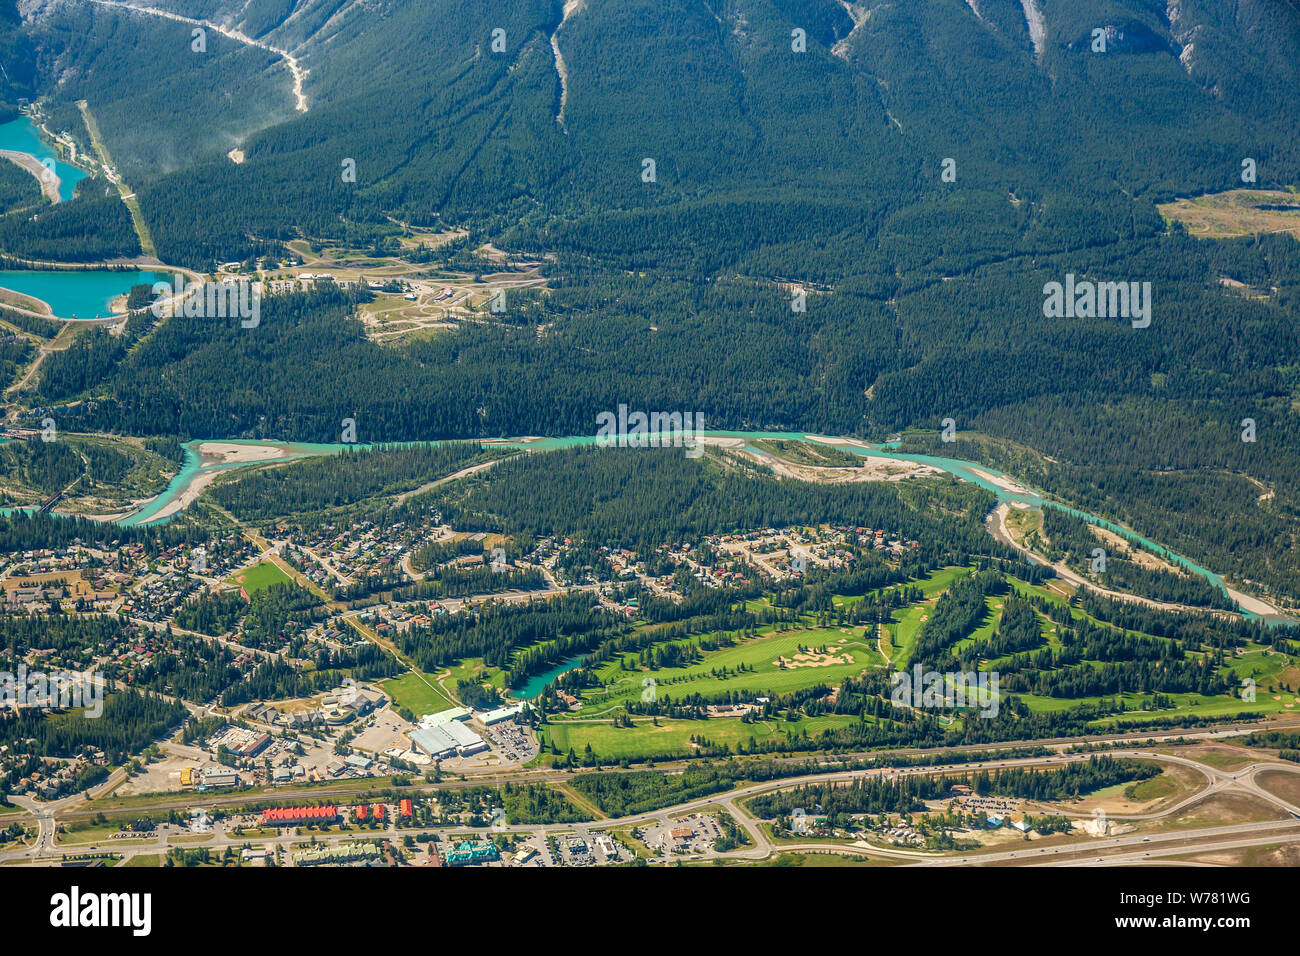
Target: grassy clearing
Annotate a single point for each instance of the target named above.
(906, 623)
(1281, 783)
(260, 577)
(473, 669)
(419, 696)
(1235, 213)
(672, 738)
(1022, 522)
(624, 835)
(1153, 789)
(931, 586)
(1271, 672)
(1220, 758)
(79, 833)
(826, 859)
(1183, 705)
(1221, 809)
(987, 628)
(775, 662)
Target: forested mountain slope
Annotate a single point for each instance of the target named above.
(839, 144)
(772, 163)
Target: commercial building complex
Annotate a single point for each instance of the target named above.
(447, 739)
(299, 816)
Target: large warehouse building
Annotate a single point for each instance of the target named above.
(447, 739)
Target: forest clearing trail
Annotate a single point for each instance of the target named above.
(1037, 25)
(147, 248)
(296, 69)
(561, 68)
(859, 17)
(997, 526)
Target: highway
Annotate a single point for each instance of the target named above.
(490, 775)
(1131, 848)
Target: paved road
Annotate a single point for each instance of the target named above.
(489, 775)
(1128, 848)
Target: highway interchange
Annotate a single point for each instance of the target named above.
(1144, 846)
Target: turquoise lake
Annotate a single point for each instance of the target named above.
(79, 295)
(537, 683)
(20, 136)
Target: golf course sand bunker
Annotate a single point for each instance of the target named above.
(806, 659)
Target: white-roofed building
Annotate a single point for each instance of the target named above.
(501, 713)
(447, 739)
(467, 742)
(445, 716)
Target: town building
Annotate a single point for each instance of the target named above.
(220, 777)
(501, 713)
(444, 740)
(468, 853)
(299, 816)
(444, 716)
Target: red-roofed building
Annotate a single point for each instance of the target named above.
(361, 812)
(406, 808)
(298, 816)
(379, 811)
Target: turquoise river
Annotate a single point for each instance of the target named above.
(1004, 488)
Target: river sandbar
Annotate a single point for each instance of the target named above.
(230, 453)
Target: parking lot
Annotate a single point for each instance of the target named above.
(572, 848)
(384, 729)
(514, 742)
(691, 834)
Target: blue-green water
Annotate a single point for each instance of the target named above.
(84, 294)
(967, 471)
(192, 466)
(977, 474)
(20, 136)
(537, 683)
